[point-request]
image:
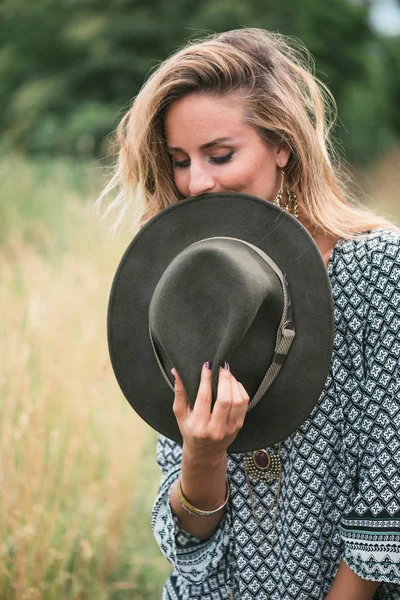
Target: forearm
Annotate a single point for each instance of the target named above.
(349, 586)
(207, 432)
(204, 486)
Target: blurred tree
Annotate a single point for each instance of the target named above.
(68, 67)
(391, 72)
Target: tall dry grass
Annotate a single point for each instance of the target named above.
(72, 520)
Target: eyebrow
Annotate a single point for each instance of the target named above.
(204, 146)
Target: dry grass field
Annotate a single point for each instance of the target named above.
(77, 468)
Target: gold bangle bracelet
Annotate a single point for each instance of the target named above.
(196, 512)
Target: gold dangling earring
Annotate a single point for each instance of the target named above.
(292, 204)
(279, 195)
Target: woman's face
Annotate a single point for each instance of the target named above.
(213, 149)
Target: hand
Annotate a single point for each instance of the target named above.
(208, 433)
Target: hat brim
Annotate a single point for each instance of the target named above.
(294, 393)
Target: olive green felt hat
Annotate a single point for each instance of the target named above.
(220, 277)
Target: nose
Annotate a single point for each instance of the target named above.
(201, 180)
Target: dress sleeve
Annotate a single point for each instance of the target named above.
(193, 558)
(371, 527)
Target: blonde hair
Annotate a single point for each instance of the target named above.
(283, 101)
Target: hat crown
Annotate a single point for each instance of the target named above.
(214, 290)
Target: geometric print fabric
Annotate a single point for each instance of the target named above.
(340, 485)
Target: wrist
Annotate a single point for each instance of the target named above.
(198, 459)
(199, 512)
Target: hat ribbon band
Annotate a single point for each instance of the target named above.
(159, 362)
(281, 351)
(285, 334)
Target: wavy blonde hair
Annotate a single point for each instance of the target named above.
(284, 101)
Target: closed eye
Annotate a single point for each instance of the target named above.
(220, 160)
(180, 164)
(216, 160)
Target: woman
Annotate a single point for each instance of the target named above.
(239, 112)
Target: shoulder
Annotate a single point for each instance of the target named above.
(373, 254)
(365, 275)
(375, 241)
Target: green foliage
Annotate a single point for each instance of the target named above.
(391, 72)
(369, 126)
(69, 67)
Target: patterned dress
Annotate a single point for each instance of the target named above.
(340, 483)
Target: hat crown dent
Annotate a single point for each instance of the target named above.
(215, 288)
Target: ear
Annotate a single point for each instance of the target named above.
(282, 156)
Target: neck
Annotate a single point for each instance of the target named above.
(324, 241)
(325, 244)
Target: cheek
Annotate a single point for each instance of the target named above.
(242, 172)
(253, 173)
(258, 178)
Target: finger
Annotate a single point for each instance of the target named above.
(181, 402)
(244, 392)
(223, 402)
(202, 406)
(238, 410)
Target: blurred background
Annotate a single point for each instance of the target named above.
(77, 467)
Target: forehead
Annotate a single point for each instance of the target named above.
(198, 116)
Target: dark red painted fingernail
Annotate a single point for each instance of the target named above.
(208, 365)
(225, 365)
